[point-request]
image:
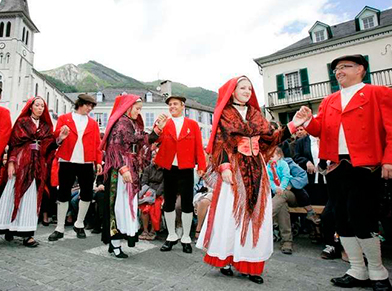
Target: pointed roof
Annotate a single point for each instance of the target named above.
(20, 7)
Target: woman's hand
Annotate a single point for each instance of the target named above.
(227, 176)
(64, 131)
(127, 177)
(99, 169)
(11, 170)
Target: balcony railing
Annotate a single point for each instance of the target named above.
(320, 90)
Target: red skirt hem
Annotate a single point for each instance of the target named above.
(249, 268)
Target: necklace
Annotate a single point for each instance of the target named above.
(32, 116)
(239, 104)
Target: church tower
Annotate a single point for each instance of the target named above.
(16, 53)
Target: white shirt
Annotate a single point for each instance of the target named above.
(242, 110)
(346, 95)
(81, 124)
(178, 123)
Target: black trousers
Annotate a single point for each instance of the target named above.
(301, 196)
(354, 194)
(68, 172)
(180, 182)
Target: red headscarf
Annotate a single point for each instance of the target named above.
(121, 105)
(224, 96)
(26, 111)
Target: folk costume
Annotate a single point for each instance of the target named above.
(31, 149)
(78, 154)
(5, 133)
(180, 150)
(355, 130)
(126, 145)
(238, 227)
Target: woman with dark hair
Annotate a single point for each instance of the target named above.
(127, 152)
(31, 149)
(238, 229)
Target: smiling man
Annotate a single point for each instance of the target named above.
(355, 130)
(180, 150)
(78, 155)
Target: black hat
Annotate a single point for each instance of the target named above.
(87, 98)
(183, 99)
(359, 59)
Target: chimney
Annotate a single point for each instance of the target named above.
(166, 88)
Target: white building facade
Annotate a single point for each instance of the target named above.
(300, 74)
(18, 79)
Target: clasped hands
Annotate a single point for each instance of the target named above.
(302, 115)
(161, 121)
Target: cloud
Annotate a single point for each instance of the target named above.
(198, 43)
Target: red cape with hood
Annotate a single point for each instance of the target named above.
(251, 183)
(30, 164)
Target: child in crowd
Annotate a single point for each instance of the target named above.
(280, 177)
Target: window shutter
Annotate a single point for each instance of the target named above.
(367, 79)
(280, 86)
(332, 79)
(304, 81)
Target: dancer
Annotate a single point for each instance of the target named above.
(31, 149)
(127, 152)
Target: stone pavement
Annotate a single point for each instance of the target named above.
(77, 264)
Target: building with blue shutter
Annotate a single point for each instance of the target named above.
(300, 74)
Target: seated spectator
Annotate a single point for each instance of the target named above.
(201, 202)
(292, 178)
(281, 179)
(151, 199)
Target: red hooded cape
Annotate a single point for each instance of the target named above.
(31, 164)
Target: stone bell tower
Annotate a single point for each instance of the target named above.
(16, 53)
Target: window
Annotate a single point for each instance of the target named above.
(47, 98)
(23, 34)
(200, 116)
(210, 118)
(99, 119)
(148, 97)
(8, 30)
(36, 90)
(292, 84)
(149, 119)
(187, 112)
(1, 29)
(8, 56)
(105, 119)
(1, 58)
(319, 35)
(368, 22)
(64, 108)
(57, 106)
(27, 38)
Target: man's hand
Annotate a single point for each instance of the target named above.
(386, 171)
(64, 131)
(99, 169)
(227, 176)
(161, 121)
(200, 173)
(310, 168)
(301, 116)
(100, 188)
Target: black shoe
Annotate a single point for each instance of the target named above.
(45, 223)
(121, 255)
(348, 281)
(256, 279)
(168, 245)
(30, 242)
(96, 230)
(8, 236)
(55, 236)
(186, 248)
(227, 272)
(381, 285)
(79, 232)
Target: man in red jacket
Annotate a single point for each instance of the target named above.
(5, 129)
(355, 130)
(180, 150)
(78, 155)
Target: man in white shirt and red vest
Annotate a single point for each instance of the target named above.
(180, 150)
(5, 129)
(355, 130)
(79, 156)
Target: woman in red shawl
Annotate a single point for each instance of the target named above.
(126, 147)
(31, 147)
(238, 228)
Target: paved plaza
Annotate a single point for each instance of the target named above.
(85, 264)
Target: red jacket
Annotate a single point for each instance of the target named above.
(367, 124)
(91, 140)
(5, 128)
(188, 146)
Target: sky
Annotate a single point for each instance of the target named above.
(198, 43)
